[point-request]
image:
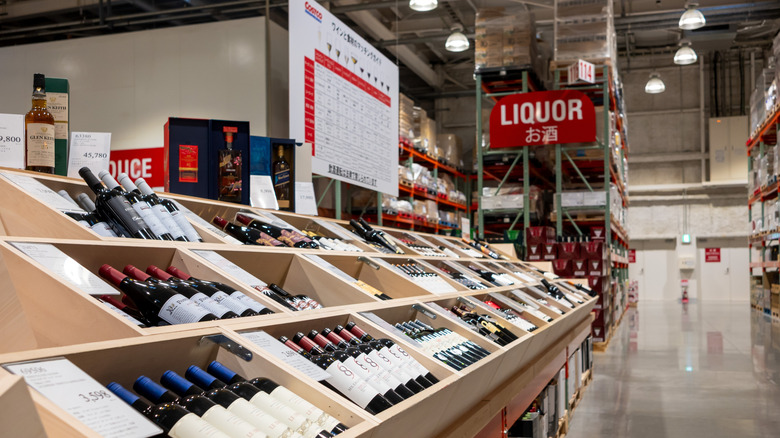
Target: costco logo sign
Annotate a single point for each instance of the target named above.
(311, 10)
(542, 118)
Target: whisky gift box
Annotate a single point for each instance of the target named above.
(231, 170)
(263, 154)
(186, 157)
(57, 102)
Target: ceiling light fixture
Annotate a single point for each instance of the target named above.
(423, 5)
(457, 42)
(655, 85)
(692, 18)
(685, 54)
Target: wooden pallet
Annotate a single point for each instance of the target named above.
(565, 63)
(563, 425)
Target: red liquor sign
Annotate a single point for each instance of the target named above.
(631, 256)
(139, 163)
(542, 118)
(712, 255)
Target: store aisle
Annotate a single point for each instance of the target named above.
(709, 371)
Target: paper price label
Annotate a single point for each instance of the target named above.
(88, 149)
(73, 390)
(304, 199)
(42, 193)
(261, 192)
(287, 355)
(230, 268)
(202, 222)
(371, 316)
(337, 230)
(12, 141)
(66, 268)
(330, 267)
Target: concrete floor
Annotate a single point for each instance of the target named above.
(711, 370)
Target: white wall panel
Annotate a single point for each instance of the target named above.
(130, 83)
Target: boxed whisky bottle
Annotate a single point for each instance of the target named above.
(275, 157)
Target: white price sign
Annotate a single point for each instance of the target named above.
(261, 192)
(465, 229)
(230, 268)
(75, 391)
(286, 354)
(582, 71)
(42, 193)
(192, 217)
(88, 149)
(12, 141)
(329, 266)
(66, 268)
(304, 199)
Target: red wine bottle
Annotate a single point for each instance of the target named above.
(178, 216)
(139, 205)
(303, 407)
(241, 407)
(200, 298)
(246, 235)
(286, 236)
(158, 210)
(155, 302)
(176, 421)
(132, 314)
(239, 302)
(346, 381)
(116, 208)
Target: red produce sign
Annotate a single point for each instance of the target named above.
(712, 255)
(542, 118)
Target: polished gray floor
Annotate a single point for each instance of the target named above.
(710, 370)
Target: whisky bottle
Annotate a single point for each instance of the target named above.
(229, 169)
(39, 131)
(282, 179)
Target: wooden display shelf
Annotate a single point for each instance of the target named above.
(123, 361)
(18, 415)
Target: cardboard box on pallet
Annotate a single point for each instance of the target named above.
(598, 234)
(562, 268)
(505, 37)
(539, 235)
(593, 250)
(569, 250)
(534, 253)
(549, 251)
(596, 267)
(579, 268)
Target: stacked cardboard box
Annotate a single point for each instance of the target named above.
(405, 118)
(536, 239)
(505, 37)
(450, 148)
(584, 29)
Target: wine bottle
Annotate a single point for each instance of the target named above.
(295, 347)
(286, 236)
(178, 216)
(125, 311)
(176, 421)
(244, 300)
(346, 381)
(250, 413)
(229, 169)
(394, 350)
(371, 235)
(116, 207)
(300, 301)
(370, 373)
(90, 219)
(214, 414)
(282, 183)
(302, 406)
(158, 210)
(295, 422)
(141, 207)
(249, 236)
(200, 298)
(380, 233)
(155, 302)
(104, 226)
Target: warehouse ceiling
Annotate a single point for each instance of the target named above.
(416, 39)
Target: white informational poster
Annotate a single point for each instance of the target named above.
(343, 100)
(88, 149)
(12, 141)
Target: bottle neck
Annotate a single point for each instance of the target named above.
(39, 98)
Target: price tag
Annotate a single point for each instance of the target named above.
(42, 193)
(88, 149)
(525, 298)
(73, 390)
(230, 268)
(340, 232)
(12, 141)
(465, 229)
(371, 316)
(261, 192)
(201, 222)
(304, 198)
(66, 268)
(286, 354)
(330, 267)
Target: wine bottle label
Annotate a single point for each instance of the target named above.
(308, 410)
(368, 374)
(103, 229)
(230, 423)
(191, 426)
(164, 216)
(84, 223)
(178, 309)
(268, 240)
(185, 225)
(349, 384)
(40, 144)
(384, 375)
(293, 237)
(145, 211)
(258, 418)
(397, 370)
(210, 304)
(281, 411)
(399, 353)
(235, 305)
(254, 305)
